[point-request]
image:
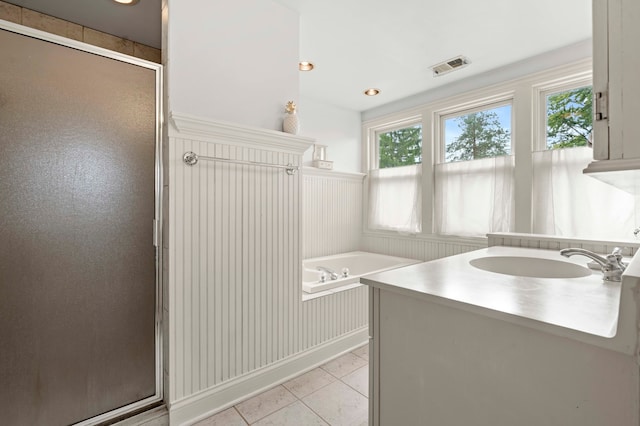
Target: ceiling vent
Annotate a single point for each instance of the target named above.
(450, 65)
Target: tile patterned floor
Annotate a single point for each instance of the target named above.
(334, 394)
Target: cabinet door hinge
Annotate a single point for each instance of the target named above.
(601, 106)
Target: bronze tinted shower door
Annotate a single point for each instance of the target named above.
(78, 184)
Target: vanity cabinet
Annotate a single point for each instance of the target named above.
(451, 345)
(616, 80)
(436, 365)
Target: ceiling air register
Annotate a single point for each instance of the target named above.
(450, 65)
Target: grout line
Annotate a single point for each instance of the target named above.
(316, 413)
(270, 414)
(339, 379)
(240, 414)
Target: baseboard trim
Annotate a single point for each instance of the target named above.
(203, 404)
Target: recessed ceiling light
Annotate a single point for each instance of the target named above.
(305, 66)
(371, 92)
(127, 2)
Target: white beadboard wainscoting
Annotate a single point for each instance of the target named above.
(552, 242)
(331, 212)
(236, 322)
(422, 248)
(436, 247)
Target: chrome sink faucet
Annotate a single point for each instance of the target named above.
(611, 265)
(332, 274)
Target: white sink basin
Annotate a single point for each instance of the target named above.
(530, 267)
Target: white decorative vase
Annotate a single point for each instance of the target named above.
(290, 124)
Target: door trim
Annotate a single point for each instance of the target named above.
(154, 400)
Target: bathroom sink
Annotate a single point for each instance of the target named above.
(530, 267)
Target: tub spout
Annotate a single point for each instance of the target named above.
(333, 274)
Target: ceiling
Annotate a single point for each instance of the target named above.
(385, 44)
(390, 44)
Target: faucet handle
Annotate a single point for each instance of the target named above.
(616, 256)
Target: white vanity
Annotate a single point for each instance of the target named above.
(455, 344)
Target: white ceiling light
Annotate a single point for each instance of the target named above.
(372, 92)
(127, 2)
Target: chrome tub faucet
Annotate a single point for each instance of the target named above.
(332, 274)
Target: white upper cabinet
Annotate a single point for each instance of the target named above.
(616, 84)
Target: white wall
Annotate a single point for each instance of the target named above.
(233, 61)
(335, 127)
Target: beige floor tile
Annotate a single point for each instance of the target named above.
(362, 352)
(359, 380)
(228, 417)
(309, 382)
(266, 403)
(296, 414)
(344, 365)
(338, 405)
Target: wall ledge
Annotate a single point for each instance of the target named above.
(198, 128)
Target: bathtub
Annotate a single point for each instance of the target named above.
(359, 263)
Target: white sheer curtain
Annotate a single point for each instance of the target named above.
(474, 197)
(395, 198)
(566, 202)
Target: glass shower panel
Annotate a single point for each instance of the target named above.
(77, 261)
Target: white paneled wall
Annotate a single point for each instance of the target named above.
(234, 275)
(331, 212)
(437, 247)
(236, 243)
(419, 248)
(552, 242)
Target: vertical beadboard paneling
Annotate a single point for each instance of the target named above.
(235, 264)
(331, 212)
(414, 248)
(551, 242)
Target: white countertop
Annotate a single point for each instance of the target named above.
(586, 304)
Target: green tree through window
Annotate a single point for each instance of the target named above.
(481, 136)
(402, 147)
(569, 118)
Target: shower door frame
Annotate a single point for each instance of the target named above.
(157, 398)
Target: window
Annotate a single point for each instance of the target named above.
(395, 195)
(565, 201)
(400, 147)
(481, 134)
(468, 178)
(568, 118)
(474, 177)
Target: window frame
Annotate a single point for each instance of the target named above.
(481, 105)
(371, 158)
(528, 123)
(540, 93)
(374, 145)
